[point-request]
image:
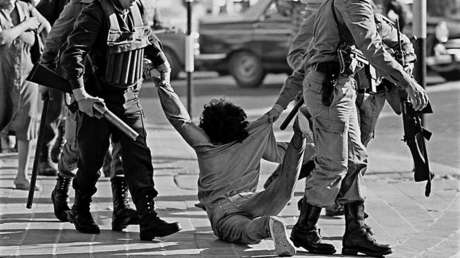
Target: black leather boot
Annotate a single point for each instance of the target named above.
(305, 234)
(60, 196)
(150, 224)
(80, 215)
(358, 237)
(123, 215)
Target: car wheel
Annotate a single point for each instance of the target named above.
(247, 69)
(176, 67)
(453, 75)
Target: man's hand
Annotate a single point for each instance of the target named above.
(165, 73)
(417, 96)
(31, 23)
(302, 125)
(86, 102)
(274, 113)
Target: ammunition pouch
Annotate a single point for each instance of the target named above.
(125, 49)
(331, 70)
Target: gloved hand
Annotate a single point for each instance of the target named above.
(417, 96)
(274, 113)
(85, 102)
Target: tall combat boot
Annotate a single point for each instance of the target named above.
(358, 237)
(59, 197)
(150, 224)
(80, 215)
(122, 215)
(305, 234)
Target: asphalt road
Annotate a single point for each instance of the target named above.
(444, 123)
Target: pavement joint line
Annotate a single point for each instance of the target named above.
(415, 202)
(439, 243)
(397, 212)
(443, 213)
(26, 232)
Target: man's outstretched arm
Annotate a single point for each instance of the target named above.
(178, 116)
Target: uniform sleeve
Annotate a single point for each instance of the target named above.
(358, 16)
(87, 28)
(300, 43)
(177, 115)
(291, 88)
(61, 29)
(389, 34)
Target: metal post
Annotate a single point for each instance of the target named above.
(419, 10)
(189, 57)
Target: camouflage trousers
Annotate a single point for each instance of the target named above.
(341, 158)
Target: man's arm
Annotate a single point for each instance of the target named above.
(300, 43)
(81, 40)
(87, 28)
(358, 16)
(60, 31)
(177, 115)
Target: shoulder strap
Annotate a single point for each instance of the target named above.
(136, 14)
(347, 37)
(109, 11)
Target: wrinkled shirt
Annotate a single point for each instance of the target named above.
(298, 56)
(89, 36)
(227, 169)
(358, 17)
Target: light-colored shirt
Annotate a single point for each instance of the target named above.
(227, 169)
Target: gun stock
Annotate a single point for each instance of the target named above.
(415, 136)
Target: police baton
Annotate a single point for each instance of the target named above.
(291, 114)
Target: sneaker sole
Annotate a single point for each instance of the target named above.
(283, 246)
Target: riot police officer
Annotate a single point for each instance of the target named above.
(112, 34)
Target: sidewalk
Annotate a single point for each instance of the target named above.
(399, 213)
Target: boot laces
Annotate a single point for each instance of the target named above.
(63, 183)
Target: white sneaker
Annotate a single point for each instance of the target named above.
(283, 246)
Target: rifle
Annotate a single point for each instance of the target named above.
(44, 76)
(414, 132)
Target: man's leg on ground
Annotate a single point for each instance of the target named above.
(123, 215)
(67, 166)
(137, 165)
(357, 237)
(93, 142)
(273, 199)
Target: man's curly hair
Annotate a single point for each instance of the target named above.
(224, 122)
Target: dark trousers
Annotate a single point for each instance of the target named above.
(93, 141)
(53, 117)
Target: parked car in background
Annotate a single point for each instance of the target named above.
(443, 46)
(247, 45)
(251, 44)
